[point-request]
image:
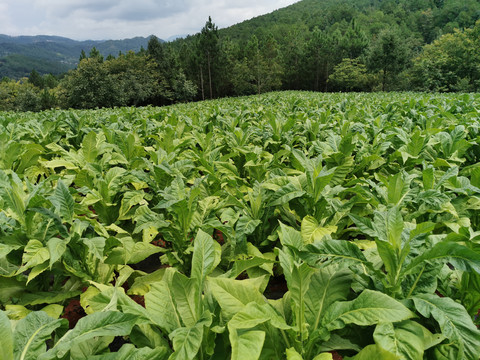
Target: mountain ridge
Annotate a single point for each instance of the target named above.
(55, 54)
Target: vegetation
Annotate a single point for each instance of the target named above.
(311, 45)
(53, 54)
(289, 225)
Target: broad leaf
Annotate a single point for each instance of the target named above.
(6, 338)
(369, 308)
(374, 352)
(327, 286)
(31, 333)
(454, 321)
(311, 231)
(185, 292)
(203, 256)
(246, 344)
(188, 340)
(56, 247)
(404, 339)
(234, 295)
(337, 250)
(458, 255)
(129, 352)
(160, 304)
(63, 202)
(298, 286)
(110, 323)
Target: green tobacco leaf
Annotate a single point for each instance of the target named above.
(246, 344)
(290, 237)
(364, 224)
(185, 293)
(292, 354)
(87, 349)
(203, 256)
(109, 323)
(51, 297)
(311, 231)
(63, 202)
(6, 338)
(129, 352)
(57, 221)
(56, 247)
(428, 178)
(323, 356)
(255, 314)
(188, 340)
(160, 304)
(369, 308)
(327, 286)
(10, 288)
(31, 333)
(458, 255)
(112, 298)
(89, 147)
(129, 200)
(298, 286)
(453, 319)
(96, 246)
(131, 252)
(241, 265)
(234, 295)
(403, 339)
(397, 189)
(339, 250)
(285, 194)
(374, 352)
(35, 254)
(244, 226)
(13, 195)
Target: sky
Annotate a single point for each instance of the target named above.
(120, 19)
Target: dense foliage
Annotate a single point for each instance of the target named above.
(319, 45)
(288, 225)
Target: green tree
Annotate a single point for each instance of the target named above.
(451, 63)
(83, 55)
(36, 79)
(350, 75)
(354, 42)
(88, 86)
(260, 70)
(170, 73)
(95, 54)
(292, 57)
(388, 54)
(321, 52)
(209, 49)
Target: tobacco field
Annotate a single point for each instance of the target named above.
(290, 225)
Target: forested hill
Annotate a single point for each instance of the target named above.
(425, 19)
(316, 45)
(19, 55)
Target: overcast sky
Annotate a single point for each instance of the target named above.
(120, 19)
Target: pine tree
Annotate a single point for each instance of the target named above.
(209, 48)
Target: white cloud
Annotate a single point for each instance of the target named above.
(115, 19)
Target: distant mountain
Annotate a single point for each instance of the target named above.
(19, 55)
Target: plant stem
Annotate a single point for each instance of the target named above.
(416, 282)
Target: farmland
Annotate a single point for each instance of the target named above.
(290, 225)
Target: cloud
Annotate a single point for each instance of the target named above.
(115, 19)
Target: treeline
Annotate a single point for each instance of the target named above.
(344, 57)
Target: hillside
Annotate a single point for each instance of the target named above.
(426, 19)
(19, 55)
